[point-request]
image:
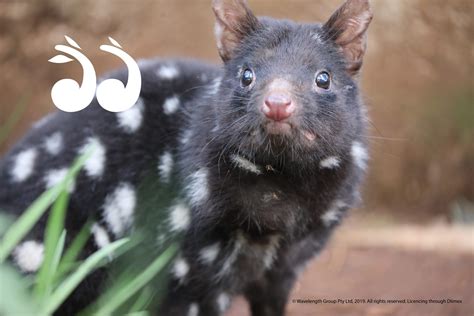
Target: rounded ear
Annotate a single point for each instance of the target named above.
(347, 27)
(234, 21)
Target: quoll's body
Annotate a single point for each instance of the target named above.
(269, 151)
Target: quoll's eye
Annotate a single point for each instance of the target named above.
(247, 77)
(323, 80)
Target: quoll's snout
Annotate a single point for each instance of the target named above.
(278, 104)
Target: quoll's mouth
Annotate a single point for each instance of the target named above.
(285, 128)
(278, 128)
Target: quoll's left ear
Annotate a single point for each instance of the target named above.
(347, 27)
(234, 21)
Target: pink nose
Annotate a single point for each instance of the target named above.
(278, 106)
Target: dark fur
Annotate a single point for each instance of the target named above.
(221, 125)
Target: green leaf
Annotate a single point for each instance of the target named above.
(50, 274)
(127, 291)
(26, 221)
(73, 251)
(52, 234)
(142, 301)
(93, 262)
(15, 298)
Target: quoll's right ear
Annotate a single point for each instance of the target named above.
(347, 27)
(234, 21)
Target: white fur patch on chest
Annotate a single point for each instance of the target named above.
(245, 164)
(330, 163)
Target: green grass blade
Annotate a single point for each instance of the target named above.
(52, 234)
(58, 251)
(54, 266)
(34, 212)
(13, 119)
(96, 260)
(25, 222)
(136, 284)
(6, 220)
(141, 313)
(73, 251)
(142, 301)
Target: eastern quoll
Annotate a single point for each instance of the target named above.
(268, 150)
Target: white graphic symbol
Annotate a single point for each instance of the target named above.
(112, 95)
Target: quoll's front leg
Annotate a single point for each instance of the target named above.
(193, 299)
(268, 296)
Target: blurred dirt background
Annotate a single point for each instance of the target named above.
(418, 81)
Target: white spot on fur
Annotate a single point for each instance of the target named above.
(95, 165)
(29, 256)
(171, 105)
(180, 268)
(193, 310)
(166, 166)
(333, 214)
(197, 189)
(131, 120)
(359, 154)
(180, 217)
(271, 251)
(316, 36)
(330, 163)
(119, 207)
(245, 164)
(54, 143)
(223, 302)
(238, 244)
(186, 136)
(167, 72)
(54, 177)
(215, 85)
(101, 237)
(209, 254)
(23, 165)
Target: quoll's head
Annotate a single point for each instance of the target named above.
(289, 90)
